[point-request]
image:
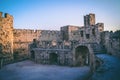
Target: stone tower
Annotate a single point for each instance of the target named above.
(89, 20)
(67, 31)
(6, 34)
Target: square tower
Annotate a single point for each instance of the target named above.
(89, 20)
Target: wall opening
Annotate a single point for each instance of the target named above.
(1, 48)
(93, 31)
(32, 54)
(82, 56)
(87, 36)
(53, 58)
(16, 55)
(81, 32)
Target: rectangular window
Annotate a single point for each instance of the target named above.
(93, 32)
(87, 36)
(81, 32)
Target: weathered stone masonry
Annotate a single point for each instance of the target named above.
(6, 35)
(22, 38)
(72, 45)
(50, 44)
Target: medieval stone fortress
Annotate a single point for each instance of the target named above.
(71, 46)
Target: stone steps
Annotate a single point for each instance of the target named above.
(98, 48)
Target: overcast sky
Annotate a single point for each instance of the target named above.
(52, 14)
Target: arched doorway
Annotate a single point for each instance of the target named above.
(81, 55)
(32, 54)
(53, 58)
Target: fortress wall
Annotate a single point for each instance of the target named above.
(6, 37)
(22, 38)
(6, 33)
(50, 35)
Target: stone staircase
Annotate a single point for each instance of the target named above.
(98, 48)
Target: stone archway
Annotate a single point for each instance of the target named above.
(53, 57)
(81, 55)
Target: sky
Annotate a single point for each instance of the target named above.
(53, 14)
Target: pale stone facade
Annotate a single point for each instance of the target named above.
(6, 35)
(22, 38)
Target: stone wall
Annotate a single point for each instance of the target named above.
(115, 47)
(111, 44)
(19, 41)
(82, 34)
(22, 38)
(83, 52)
(89, 20)
(63, 56)
(49, 35)
(6, 35)
(67, 32)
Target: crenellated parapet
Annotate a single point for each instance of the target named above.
(29, 35)
(6, 20)
(5, 15)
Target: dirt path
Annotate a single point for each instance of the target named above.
(28, 70)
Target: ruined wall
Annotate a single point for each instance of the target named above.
(111, 44)
(67, 32)
(105, 40)
(48, 39)
(114, 47)
(72, 29)
(64, 33)
(89, 34)
(100, 27)
(6, 34)
(92, 30)
(50, 35)
(64, 57)
(22, 38)
(58, 39)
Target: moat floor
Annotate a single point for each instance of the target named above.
(28, 70)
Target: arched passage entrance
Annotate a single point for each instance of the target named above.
(81, 55)
(53, 58)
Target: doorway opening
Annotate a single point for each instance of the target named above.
(82, 56)
(53, 58)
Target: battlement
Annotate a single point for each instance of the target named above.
(37, 32)
(50, 31)
(1, 14)
(5, 15)
(27, 31)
